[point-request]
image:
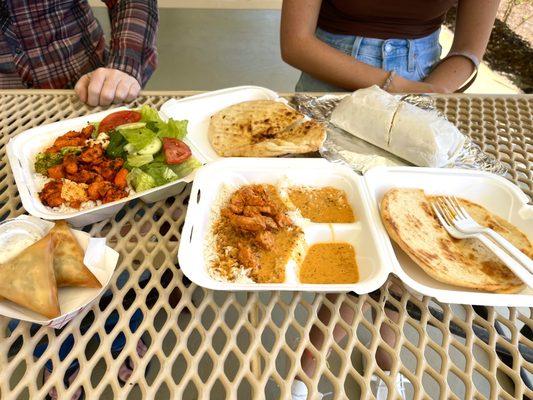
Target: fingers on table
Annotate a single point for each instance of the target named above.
(82, 87)
(105, 86)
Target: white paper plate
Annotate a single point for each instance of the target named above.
(99, 258)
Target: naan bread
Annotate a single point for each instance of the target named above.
(28, 279)
(410, 222)
(263, 128)
(303, 138)
(68, 259)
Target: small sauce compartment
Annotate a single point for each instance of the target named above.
(353, 234)
(331, 262)
(326, 204)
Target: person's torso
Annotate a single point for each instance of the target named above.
(49, 44)
(383, 19)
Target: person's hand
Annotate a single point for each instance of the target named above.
(104, 86)
(402, 85)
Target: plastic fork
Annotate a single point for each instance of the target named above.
(445, 217)
(465, 223)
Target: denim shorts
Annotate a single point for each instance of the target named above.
(410, 58)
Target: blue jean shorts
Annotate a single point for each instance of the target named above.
(410, 58)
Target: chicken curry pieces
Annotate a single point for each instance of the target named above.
(85, 173)
(254, 233)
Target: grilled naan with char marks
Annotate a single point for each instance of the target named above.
(263, 128)
(411, 223)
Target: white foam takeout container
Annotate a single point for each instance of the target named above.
(376, 256)
(99, 258)
(21, 150)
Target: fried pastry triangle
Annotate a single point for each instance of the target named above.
(68, 259)
(28, 279)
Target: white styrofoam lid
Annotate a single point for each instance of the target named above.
(491, 191)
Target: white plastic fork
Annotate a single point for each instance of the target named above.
(465, 223)
(445, 218)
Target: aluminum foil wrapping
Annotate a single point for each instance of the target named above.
(344, 148)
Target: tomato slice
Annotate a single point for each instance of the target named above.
(118, 118)
(175, 151)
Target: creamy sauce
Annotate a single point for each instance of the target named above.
(329, 263)
(12, 243)
(322, 205)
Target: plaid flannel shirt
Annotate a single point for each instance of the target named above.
(50, 44)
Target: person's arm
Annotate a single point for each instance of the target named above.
(301, 49)
(472, 31)
(133, 55)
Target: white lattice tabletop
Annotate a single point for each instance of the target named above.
(206, 344)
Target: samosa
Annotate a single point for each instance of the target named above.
(28, 279)
(68, 259)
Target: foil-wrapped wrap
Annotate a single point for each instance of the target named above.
(344, 148)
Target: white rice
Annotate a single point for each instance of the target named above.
(240, 274)
(40, 180)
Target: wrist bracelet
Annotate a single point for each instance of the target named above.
(388, 81)
(469, 56)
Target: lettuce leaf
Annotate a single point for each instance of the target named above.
(140, 181)
(160, 172)
(186, 167)
(115, 148)
(138, 138)
(149, 114)
(163, 173)
(138, 160)
(173, 129)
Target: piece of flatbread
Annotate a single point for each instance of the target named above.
(68, 259)
(263, 128)
(29, 280)
(411, 223)
(302, 138)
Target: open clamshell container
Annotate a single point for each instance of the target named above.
(234, 172)
(21, 150)
(376, 256)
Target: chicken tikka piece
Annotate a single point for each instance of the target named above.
(99, 178)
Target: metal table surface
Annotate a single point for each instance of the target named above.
(206, 344)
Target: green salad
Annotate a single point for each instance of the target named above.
(153, 150)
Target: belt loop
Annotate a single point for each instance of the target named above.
(356, 46)
(411, 55)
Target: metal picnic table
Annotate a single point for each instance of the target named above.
(207, 344)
